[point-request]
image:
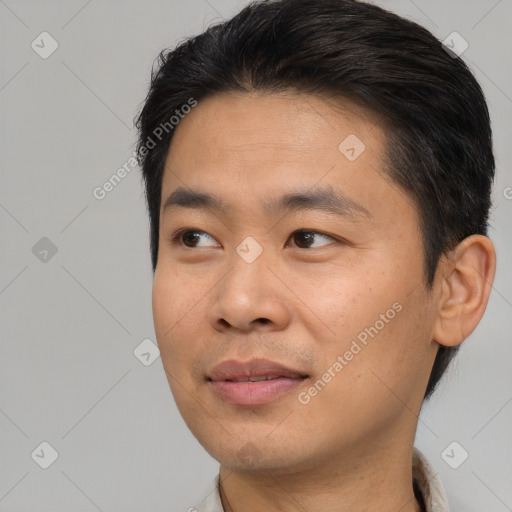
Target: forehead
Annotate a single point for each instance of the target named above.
(244, 135)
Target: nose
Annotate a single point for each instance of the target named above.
(250, 296)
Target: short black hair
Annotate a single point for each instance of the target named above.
(439, 140)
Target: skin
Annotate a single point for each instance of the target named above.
(302, 303)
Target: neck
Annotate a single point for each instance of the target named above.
(369, 481)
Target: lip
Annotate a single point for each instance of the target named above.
(283, 380)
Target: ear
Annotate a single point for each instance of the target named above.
(466, 274)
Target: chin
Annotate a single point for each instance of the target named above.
(254, 456)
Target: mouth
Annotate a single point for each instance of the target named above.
(259, 378)
(254, 382)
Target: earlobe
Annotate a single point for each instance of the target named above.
(466, 275)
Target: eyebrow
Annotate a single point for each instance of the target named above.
(322, 199)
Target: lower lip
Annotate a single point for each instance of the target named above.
(254, 393)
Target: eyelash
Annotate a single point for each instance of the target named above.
(176, 237)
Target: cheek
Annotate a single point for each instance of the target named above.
(337, 304)
(163, 302)
(387, 359)
(175, 317)
(176, 299)
(378, 319)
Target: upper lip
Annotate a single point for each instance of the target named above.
(232, 369)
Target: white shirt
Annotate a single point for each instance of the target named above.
(424, 477)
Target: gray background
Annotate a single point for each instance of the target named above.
(70, 324)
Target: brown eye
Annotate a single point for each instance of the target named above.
(304, 239)
(191, 238)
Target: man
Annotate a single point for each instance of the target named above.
(318, 179)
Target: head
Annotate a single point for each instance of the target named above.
(340, 103)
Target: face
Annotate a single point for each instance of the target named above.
(322, 291)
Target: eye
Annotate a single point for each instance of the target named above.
(307, 238)
(190, 237)
(303, 239)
